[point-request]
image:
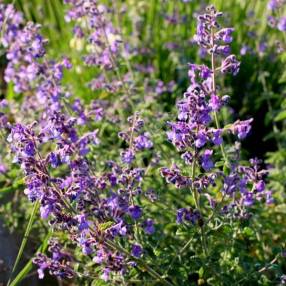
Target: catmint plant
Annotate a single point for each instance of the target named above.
(93, 209)
(199, 137)
(92, 175)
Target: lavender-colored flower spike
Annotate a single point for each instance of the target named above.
(282, 24)
(197, 132)
(275, 4)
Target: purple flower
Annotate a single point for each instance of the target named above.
(143, 142)
(105, 275)
(127, 156)
(215, 102)
(201, 139)
(54, 160)
(137, 250)
(3, 169)
(206, 161)
(260, 186)
(244, 50)
(230, 65)
(271, 21)
(41, 273)
(274, 4)
(187, 215)
(29, 149)
(148, 226)
(282, 24)
(187, 157)
(173, 176)
(216, 137)
(83, 223)
(248, 199)
(45, 211)
(269, 198)
(119, 229)
(225, 35)
(180, 215)
(241, 128)
(57, 265)
(205, 72)
(135, 212)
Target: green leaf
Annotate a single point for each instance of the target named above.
(201, 272)
(106, 225)
(248, 231)
(219, 164)
(280, 116)
(157, 252)
(274, 267)
(10, 91)
(98, 283)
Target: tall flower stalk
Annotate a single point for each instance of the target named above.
(199, 138)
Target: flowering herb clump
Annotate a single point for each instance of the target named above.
(197, 133)
(90, 165)
(92, 208)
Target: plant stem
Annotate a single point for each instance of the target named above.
(214, 91)
(25, 238)
(194, 190)
(270, 108)
(141, 262)
(28, 267)
(196, 196)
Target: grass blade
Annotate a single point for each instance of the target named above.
(28, 267)
(25, 238)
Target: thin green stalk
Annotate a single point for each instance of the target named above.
(28, 267)
(141, 262)
(195, 192)
(266, 267)
(197, 203)
(214, 91)
(270, 108)
(25, 238)
(178, 254)
(221, 145)
(118, 23)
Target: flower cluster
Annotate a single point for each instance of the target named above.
(103, 41)
(137, 140)
(10, 22)
(275, 4)
(92, 208)
(22, 68)
(57, 130)
(275, 20)
(197, 133)
(58, 265)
